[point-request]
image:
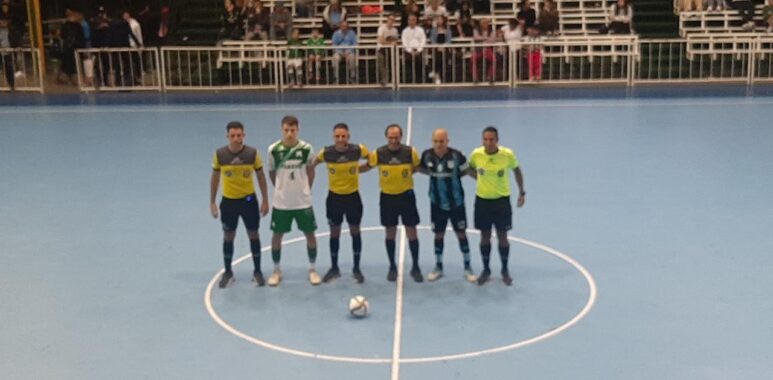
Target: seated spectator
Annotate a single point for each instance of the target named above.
(767, 15)
(410, 8)
(548, 18)
(314, 56)
(294, 60)
(433, 11)
(464, 21)
(345, 39)
(332, 17)
(414, 39)
(484, 34)
(513, 31)
(527, 14)
(440, 35)
(746, 10)
(281, 22)
(620, 16)
(690, 5)
(258, 21)
(386, 37)
(232, 27)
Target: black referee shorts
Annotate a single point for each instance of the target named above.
(232, 209)
(401, 206)
(496, 212)
(340, 205)
(440, 217)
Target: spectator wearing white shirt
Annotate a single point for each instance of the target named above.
(135, 42)
(386, 37)
(513, 31)
(620, 17)
(434, 10)
(414, 39)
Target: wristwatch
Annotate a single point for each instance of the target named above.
(522, 193)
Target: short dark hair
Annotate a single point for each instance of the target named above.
(234, 125)
(393, 126)
(290, 120)
(341, 126)
(491, 129)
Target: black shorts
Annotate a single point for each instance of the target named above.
(232, 209)
(400, 205)
(338, 206)
(496, 212)
(440, 217)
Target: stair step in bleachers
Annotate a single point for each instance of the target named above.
(725, 21)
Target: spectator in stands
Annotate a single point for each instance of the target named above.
(767, 15)
(746, 10)
(533, 47)
(100, 38)
(620, 16)
(305, 8)
(135, 42)
(231, 19)
(527, 14)
(715, 5)
(258, 21)
(484, 34)
(433, 11)
(345, 39)
(72, 38)
(386, 37)
(9, 39)
(332, 17)
(440, 35)
(548, 18)
(164, 25)
(414, 39)
(294, 60)
(281, 22)
(464, 21)
(314, 56)
(410, 8)
(513, 31)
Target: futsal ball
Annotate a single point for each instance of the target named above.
(358, 307)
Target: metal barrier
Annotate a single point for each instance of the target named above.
(21, 70)
(118, 69)
(336, 67)
(762, 69)
(220, 68)
(457, 64)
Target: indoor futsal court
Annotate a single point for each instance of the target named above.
(643, 250)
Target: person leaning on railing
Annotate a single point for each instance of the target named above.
(414, 39)
(440, 35)
(464, 22)
(386, 37)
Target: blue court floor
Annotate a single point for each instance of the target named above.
(643, 250)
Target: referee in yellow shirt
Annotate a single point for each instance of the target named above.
(236, 162)
(343, 199)
(396, 163)
(490, 164)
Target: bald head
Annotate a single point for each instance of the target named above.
(440, 141)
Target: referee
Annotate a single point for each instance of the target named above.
(396, 163)
(236, 161)
(491, 163)
(343, 199)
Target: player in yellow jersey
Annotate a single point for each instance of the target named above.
(234, 164)
(396, 163)
(490, 165)
(343, 199)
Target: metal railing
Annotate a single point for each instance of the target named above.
(21, 70)
(118, 69)
(458, 64)
(336, 67)
(220, 68)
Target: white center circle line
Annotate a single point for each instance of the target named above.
(592, 294)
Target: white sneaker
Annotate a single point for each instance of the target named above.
(275, 278)
(314, 277)
(435, 274)
(470, 277)
(431, 74)
(438, 82)
(710, 9)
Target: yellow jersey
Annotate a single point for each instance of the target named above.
(343, 167)
(493, 179)
(395, 168)
(236, 170)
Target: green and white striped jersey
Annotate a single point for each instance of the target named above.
(291, 188)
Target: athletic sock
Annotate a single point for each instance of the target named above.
(228, 254)
(357, 248)
(390, 247)
(414, 247)
(276, 256)
(464, 246)
(312, 252)
(439, 253)
(255, 248)
(334, 243)
(504, 254)
(485, 254)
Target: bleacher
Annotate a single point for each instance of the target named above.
(724, 21)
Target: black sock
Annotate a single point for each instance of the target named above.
(255, 248)
(485, 254)
(312, 253)
(439, 253)
(228, 254)
(414, 246)
(504, 254)
(390, 247)
(464, 246)
(334, 243)
(357, 248)
(276, 255)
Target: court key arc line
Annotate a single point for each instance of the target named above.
(592, 296)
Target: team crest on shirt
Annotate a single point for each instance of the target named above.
(405, 173)
(450, 164)
(332, 170)
(430, 164)
(501, 173)
(353, 170)
(228, 173)
(481, 171)
(246, 174)
(385, 173)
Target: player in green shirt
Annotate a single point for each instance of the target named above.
(489, 164)
(314, 56)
